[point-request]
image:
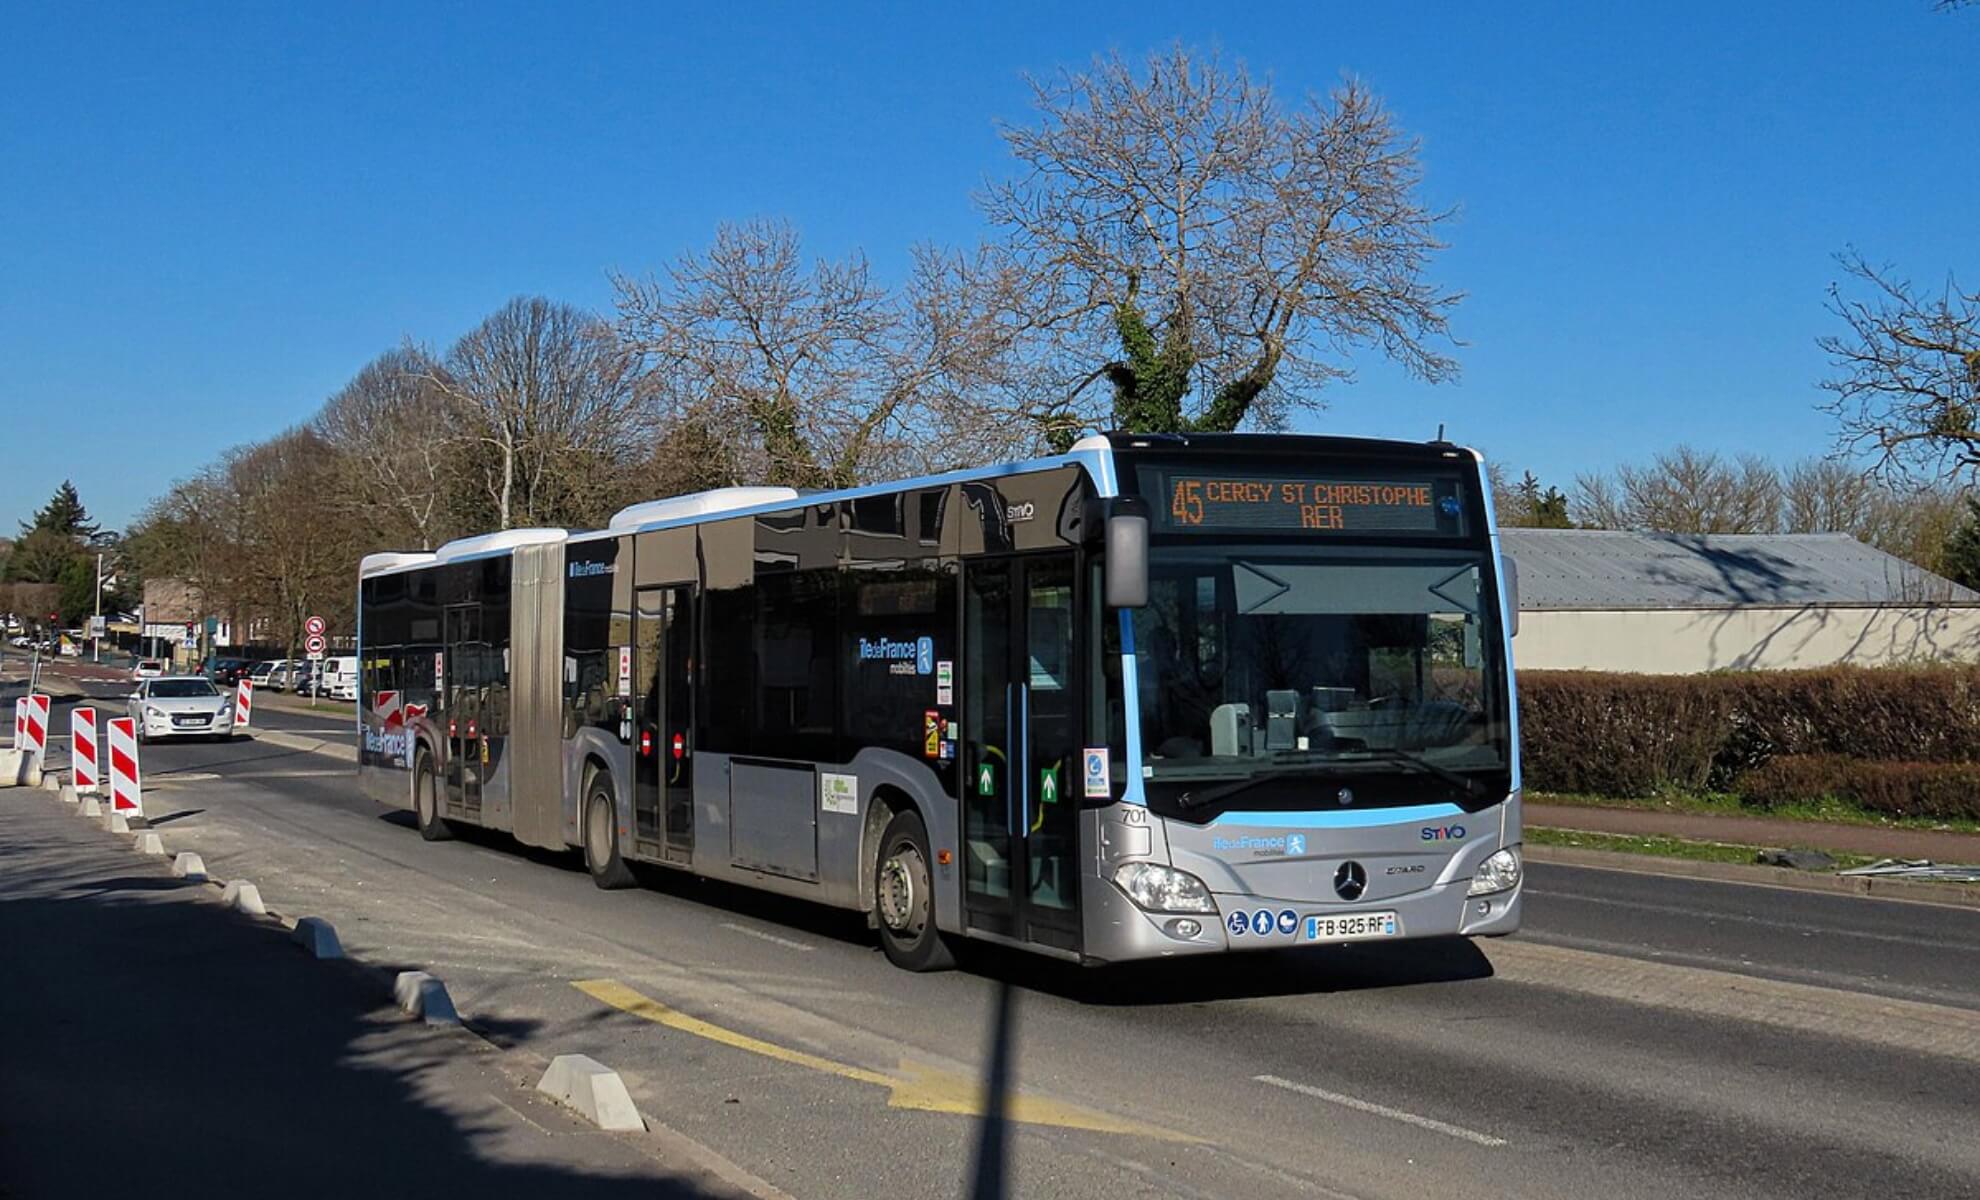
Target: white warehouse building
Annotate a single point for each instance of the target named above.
(1674, 604)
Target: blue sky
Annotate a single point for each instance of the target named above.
(211, 217)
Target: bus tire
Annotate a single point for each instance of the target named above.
(601, 837)
(426, 802)
(904, 897)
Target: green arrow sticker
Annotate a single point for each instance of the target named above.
(986, 781)
(1048, 785)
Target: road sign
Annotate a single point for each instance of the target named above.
(243, 703)
(314, 645)
(97, 625)
(314, 627)
(126, 789)
(82, 748)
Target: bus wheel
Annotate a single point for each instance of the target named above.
(904, 897)
(426, 803)
(601, 837)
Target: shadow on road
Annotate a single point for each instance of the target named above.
(214, 1058)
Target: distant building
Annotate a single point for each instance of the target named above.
(1674, 604)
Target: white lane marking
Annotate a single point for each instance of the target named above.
(1381, 1110)
(768, 937)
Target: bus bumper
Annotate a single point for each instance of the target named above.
(1119, 931)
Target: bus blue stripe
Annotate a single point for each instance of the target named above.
(1345, 819)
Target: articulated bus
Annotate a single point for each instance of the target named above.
(1157, 696)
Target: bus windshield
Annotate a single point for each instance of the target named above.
(1287, 664)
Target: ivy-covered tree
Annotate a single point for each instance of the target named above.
(1236, 243)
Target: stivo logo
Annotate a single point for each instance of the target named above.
(1442, 833)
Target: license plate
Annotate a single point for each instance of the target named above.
(1351, 927)
(190, 720)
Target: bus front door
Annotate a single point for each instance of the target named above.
(1021, 757)
(663, 773)
(463, 700)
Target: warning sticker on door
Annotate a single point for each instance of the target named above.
(838, 793)
(1097, 776)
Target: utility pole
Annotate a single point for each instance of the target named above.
(96, 621)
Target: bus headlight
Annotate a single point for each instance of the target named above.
(1163, 889)
(1497, 874)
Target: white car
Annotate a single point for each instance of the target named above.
(181, 706)
(147, 668)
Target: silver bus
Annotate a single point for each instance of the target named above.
(1161, 695)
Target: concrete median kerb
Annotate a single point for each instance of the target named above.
(243, 897)
(593, 1090)
(189, 865)
(68, 794)
(425, 997)
(91, 808)
(51, 781)
(318, 937)
(116, 822)
(148, 843)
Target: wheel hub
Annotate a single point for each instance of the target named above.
(899, 898)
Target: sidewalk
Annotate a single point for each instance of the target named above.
(154, 1040)
(1872, 840)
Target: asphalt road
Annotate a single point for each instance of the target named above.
(1645, 1036)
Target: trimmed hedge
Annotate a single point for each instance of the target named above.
(1898, 789)
(1636, 735)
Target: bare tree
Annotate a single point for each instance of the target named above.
(749, 327)
(1685, 491)
(1232, 246)
(302, 561)
(822, 376)
(548, 401)
(1907, 383)
(1825, 495)
(390, 429)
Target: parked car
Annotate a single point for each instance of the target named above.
(228, 671)
(148, 668)
(181, 706)
(338, 678)
(302, 679)
(263, 672)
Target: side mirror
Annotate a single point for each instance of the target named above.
(132, 696)
(1509, 569)
(1126, 555)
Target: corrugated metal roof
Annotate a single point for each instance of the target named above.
(1601, 569)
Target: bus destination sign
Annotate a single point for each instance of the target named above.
(1209, 501)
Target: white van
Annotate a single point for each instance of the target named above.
(338, 678)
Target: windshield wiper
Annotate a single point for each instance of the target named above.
(1470, 785)
(1193, 799)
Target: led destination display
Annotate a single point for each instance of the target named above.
(1224, 501)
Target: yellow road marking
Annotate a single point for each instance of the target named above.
(917, 1086)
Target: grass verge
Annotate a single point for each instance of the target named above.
(1726, 805)
(1665, 847)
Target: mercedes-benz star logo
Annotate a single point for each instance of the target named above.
(1350, 881)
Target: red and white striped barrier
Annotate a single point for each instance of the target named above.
(126, 791)
(34, 730)
(82, 749)
(243, 703)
